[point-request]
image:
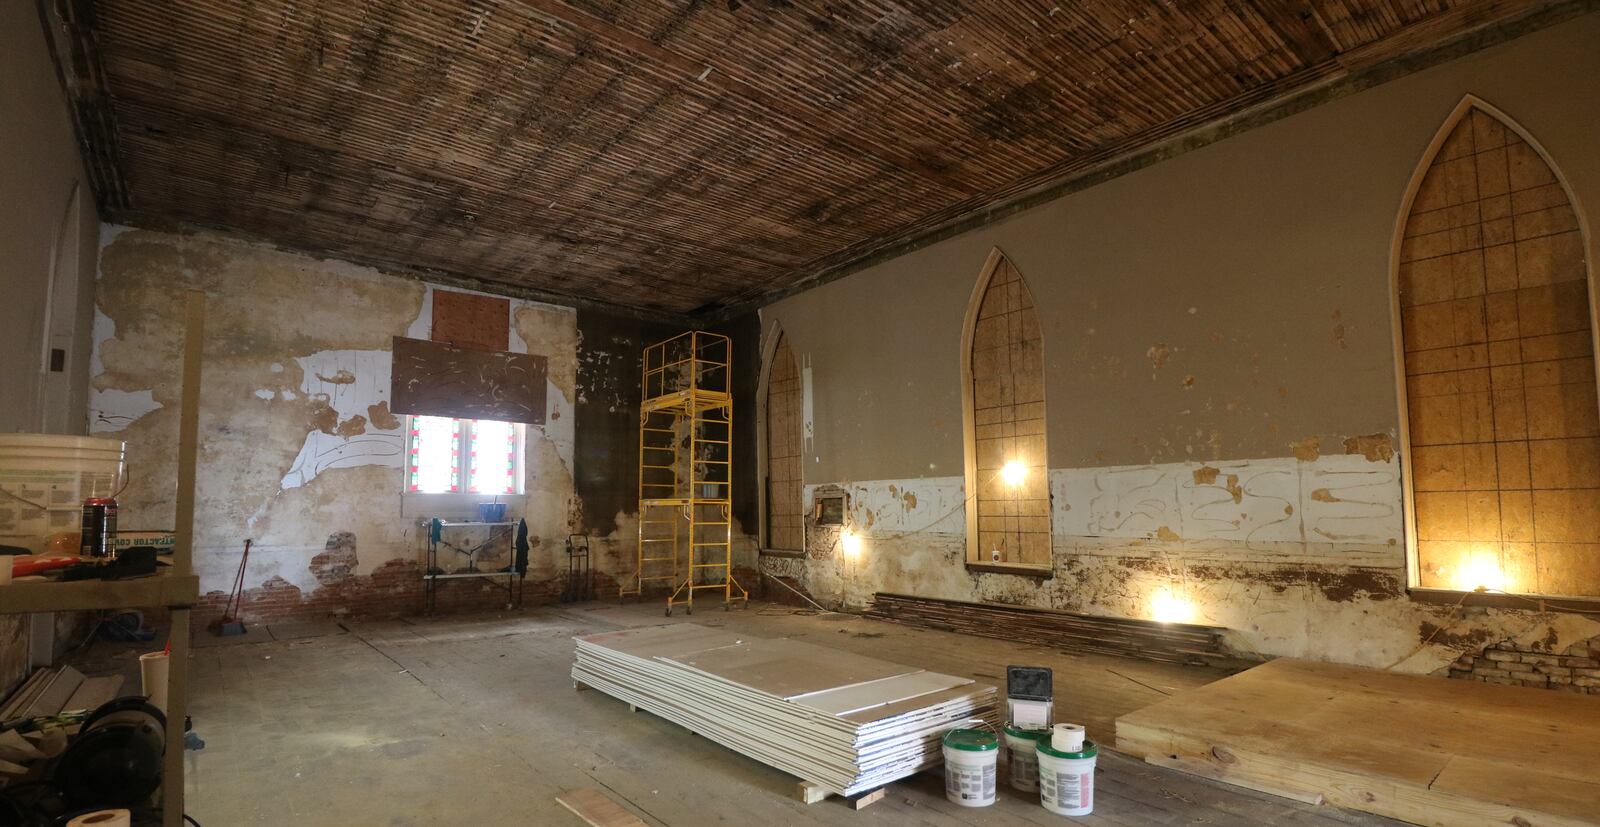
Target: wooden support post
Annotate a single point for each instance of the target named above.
(177, 710)
(183, 556)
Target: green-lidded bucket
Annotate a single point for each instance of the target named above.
(1022, 761)
(1066, 771)
(971, 757)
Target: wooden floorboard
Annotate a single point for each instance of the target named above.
(389, 718)
(1426, 750)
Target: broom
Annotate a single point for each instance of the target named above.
(229, 623)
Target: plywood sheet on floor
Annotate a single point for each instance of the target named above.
(1426, 750)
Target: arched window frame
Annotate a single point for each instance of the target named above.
(975, 557)
(773, 337)
(1420, 171)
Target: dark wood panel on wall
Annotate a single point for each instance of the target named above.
(437, 379)
(467, 320)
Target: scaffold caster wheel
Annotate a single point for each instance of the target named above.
(669, 611)
(689, 610)
(726, 605)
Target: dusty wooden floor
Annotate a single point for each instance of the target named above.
(474, 721)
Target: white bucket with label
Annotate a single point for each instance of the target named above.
(1022, 758)
(971, 757)
(1066, 771)
(44, 479)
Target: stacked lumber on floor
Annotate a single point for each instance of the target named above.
(1069, 631)
(1448, 753)
(844, 722)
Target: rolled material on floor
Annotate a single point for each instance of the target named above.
(845, 722)
(153, 676)
(102, 818)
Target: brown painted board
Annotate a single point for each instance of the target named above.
(469, 321)
(436, 379)
(596, 809)
(1426, 750)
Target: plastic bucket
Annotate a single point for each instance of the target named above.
(44, 479)
(1022, 758)
(971, 757)
(1066, 771)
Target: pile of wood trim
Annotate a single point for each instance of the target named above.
(845, 722)
(54, 691)
(1067, 631)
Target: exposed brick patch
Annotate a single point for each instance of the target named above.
(337, 560)
(1575, 670)
(395, 588)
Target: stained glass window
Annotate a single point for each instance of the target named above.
(474, 456)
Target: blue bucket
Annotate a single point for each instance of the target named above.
(492, 512)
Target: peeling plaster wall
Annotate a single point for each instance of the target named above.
(298, 447)
(1220, 380)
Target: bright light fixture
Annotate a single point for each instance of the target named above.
(851, 542)
(1481, 573)
(1166, 606)
(1014, 472)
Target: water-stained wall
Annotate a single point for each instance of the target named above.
(1219, 349)
(299, 450)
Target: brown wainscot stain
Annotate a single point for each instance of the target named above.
(1158, 354)
(1308, 449)
(1206, 475)
(1164, 533)
(1323, 495)
(382, 418)
(1337, 585)
(1469, 639)
(343, 377)
(354, 426)
(1235, 488)
(322, 417)
(1375, 447)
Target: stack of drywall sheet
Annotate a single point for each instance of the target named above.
(843, 721)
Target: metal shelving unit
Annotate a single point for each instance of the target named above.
(500, 531)
(686, 471)
(177, 589)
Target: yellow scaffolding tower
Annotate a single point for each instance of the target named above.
(686, 471)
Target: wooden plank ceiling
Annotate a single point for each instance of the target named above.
(665, 155)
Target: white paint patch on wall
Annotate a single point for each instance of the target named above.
(349, 381)
(881, 507)
(112, 410)
(1282, 499)
(1342, 499)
